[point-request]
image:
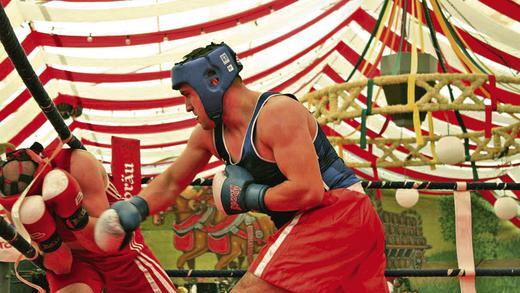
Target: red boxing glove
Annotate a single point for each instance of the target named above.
(42, 228)
(39, 223)
(62, 194)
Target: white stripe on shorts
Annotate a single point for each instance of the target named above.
(136, 246)
(153, 266)
(273, 248)
(156, 272)
(148, 277)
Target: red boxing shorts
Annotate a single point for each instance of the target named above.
(128, 272)
(337, 247)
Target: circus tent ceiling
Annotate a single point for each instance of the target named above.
(114, 58)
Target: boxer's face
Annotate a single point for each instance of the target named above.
(194, 105)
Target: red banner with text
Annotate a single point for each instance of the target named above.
(126, 165)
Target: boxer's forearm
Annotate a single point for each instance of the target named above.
(292, 195)
(161, 193)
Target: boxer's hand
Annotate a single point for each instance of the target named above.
(116, 225)
(42, 228)
(235, 192)
(62, 194)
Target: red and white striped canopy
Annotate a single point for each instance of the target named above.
(114, 58)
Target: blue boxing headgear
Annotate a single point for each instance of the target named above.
(221, 64)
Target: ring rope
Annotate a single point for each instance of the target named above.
(458, 186)
(453, 272)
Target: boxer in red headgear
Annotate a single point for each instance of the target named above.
(18, 171)
(22, 168)
(64, 204)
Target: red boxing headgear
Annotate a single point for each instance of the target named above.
(20, 169)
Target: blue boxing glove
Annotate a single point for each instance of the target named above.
(116, 225)
(235, 192)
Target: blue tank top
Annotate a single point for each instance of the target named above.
(333, 170)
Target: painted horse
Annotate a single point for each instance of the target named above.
(199, 228)
(191, 216)
(237, 237)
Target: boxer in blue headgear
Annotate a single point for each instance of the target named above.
(278, 162)
(200, 72)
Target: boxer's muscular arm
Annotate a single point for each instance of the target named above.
(285, 131)
(164, 189)
(116, 225)
(91, 176)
